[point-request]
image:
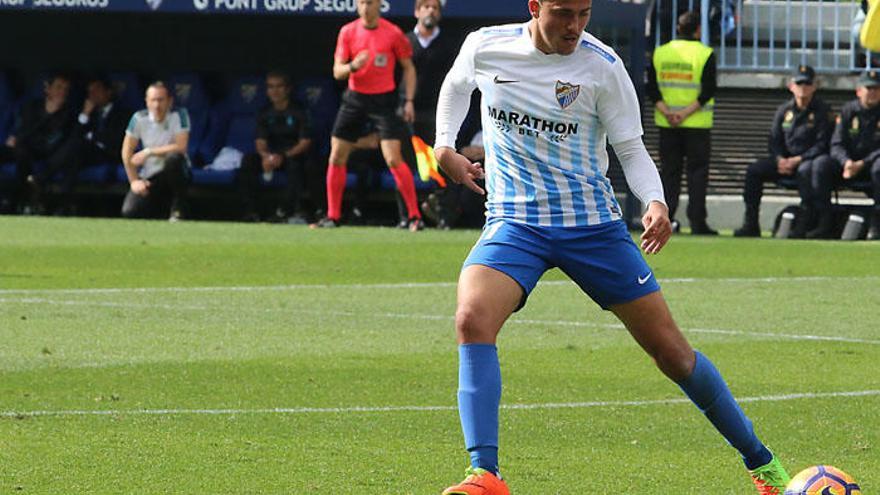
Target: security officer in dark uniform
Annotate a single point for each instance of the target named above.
(799, 136)
(855, 154)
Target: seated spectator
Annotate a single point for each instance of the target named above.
(96, 139)
(41, 129)
(283, 141)
(159, 173)
(798, 137)
(855, 154)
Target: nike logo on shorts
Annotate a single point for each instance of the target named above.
(644, 280)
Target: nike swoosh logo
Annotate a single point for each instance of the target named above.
(498, 80)
(827, 491)
(644, 280)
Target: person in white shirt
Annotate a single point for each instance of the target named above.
(552, 96)
(159, 173)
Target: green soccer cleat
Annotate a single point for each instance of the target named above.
(771, 478)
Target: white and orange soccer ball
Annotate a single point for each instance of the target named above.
(822, 480)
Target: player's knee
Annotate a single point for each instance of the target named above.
(676, 362)
(394, 161)
(337, 158)
(471, 325)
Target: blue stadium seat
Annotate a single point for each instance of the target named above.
(351, 180)
(128, 90)
(320, 97)
(203, 177)
(386, 181)
(242, 133)
(36, 88)
(246, 95)
(8, 107)
(7, 95)
(119, 174)
(216, 126)
(7, 120)
(189, 92)
(7, 172)
(96, 174)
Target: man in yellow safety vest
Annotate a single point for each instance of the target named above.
(682, 83)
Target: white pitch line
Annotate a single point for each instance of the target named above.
(412, 285)
(394, 409)
(414, 316)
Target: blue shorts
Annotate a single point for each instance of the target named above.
(602, 259)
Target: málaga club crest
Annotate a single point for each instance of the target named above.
(566, 93)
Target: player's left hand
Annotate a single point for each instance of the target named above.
(409, 112)
(460, 169)
(658, 228)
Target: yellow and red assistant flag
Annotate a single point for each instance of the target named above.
(428, 167)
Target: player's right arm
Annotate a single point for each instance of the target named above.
(344, 65)
(137, 185)
(452, 108)
(342, 69)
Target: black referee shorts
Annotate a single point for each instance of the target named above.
(380, 109)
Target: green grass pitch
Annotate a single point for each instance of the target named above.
(250, 359)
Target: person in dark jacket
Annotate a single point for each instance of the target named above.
(41, 129)
(434, 52)
(855, 154)
(798, 138)
(96, 139)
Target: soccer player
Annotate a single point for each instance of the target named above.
(367, 52)
(552, 94)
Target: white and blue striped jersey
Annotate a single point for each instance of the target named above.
(546, 119)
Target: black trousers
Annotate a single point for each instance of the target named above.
(74, 155)
(25, 155)
(694, 146)
(249, 182)
(765, 170)
(167, 190)
(828, 175)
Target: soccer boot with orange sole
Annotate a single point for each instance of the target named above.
(479, 482)
(771, 478)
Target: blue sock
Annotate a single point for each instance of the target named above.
(707, 390)
(479, 395)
